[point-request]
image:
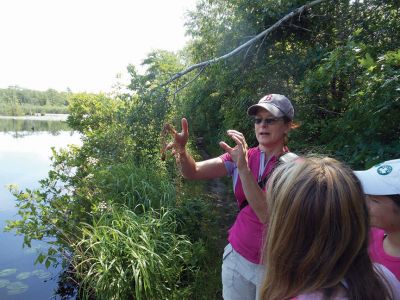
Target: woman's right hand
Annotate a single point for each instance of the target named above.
(178, 146)
(238, 152)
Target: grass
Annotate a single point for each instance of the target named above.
(124, 255)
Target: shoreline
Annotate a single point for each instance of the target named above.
(46, 117)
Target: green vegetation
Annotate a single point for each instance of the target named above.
(125, 255)
(16, 101)
(127, 222)
(339, 63)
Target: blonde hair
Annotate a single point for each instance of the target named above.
(318, 233)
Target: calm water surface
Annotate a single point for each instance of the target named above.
(25, 149)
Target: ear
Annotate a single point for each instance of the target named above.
(289, 126)
(287, 129)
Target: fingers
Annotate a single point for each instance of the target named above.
(239, 141)
(225, 147)
(231, 131)
(185, 127)
(238, 137)
(169, 146)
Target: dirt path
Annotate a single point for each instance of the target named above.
(225, 203)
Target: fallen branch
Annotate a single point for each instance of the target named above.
(263, 34)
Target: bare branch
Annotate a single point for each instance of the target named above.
(247, 51)
(299, 27)
(190, 81)
(263, 34)
(320, 108)
(262, 42)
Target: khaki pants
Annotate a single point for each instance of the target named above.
(241, 279)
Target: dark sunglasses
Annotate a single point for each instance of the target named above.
(267, 121)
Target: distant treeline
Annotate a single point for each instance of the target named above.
(18, 101)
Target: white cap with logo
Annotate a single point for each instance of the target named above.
(381, 179)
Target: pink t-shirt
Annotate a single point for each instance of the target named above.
(246, 234)
(378, 254)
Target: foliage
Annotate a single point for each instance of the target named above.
(349, 102)
(137, 186)
(152, 105)
(19, 101)
(128, 256)
(318, 59)
(84, 193)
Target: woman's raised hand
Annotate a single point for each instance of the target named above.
(178, 146)
(239, 152)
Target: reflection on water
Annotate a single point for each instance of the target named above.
(27, 126)
(24, 160)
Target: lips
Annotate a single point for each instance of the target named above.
(264, 133)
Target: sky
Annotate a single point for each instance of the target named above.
(83, 44)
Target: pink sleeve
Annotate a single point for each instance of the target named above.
(228, 162)
(226, 157)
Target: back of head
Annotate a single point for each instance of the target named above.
(318, 231)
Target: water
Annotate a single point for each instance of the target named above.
(25, 149)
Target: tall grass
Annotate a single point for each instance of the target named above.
(138, 186)
(155, 247)
(124, 255)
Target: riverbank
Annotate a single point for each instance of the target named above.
(45, 117)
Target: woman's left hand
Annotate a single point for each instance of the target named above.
(239, 152)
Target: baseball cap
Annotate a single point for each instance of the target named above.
(276, 104)
(381, 179)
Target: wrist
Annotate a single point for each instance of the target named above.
(182, 151)
(244, 168)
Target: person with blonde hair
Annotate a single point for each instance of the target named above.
(381, 184)
(317, 241)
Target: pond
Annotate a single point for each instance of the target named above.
(25, 149)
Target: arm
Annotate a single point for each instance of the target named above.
(191, 169)
(207, 169)
(254, 194)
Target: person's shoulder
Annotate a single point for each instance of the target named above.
(376, 236)
(390, 278)
(317, 296)
(377, 231)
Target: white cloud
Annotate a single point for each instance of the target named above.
(83, 44)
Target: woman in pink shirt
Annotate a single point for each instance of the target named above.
(317, 241)
(381, 183)
(242, 270)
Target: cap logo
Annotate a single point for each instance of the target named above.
(384, 170)
(268, 97)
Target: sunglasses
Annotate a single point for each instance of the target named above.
(267, 121)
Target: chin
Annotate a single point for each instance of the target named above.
(263, 139)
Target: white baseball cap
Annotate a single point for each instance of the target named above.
(382, 179)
